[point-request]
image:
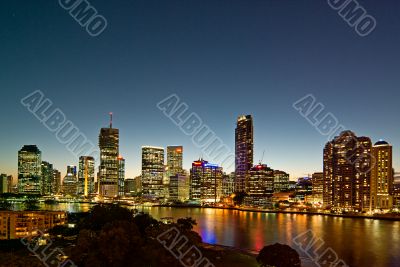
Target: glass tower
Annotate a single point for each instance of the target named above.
(29, 170)
(243, 151)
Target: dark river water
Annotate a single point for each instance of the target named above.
(358, 242)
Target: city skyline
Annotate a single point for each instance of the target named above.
(293, 177)
(219, 69)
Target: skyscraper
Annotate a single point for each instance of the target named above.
(86, 176)
(382, 181)
(152, 171)
(347, 172)
(243, 150)
(205, 182)
(29, 170)
(121, 176)
(174, 160)
(70, 182)
(108, 169)
(47, 178)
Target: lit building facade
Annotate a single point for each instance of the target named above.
(281, 181)
(121, 176)
(205, 182)
(174, 160)
(304, 189)
(228, 184)
(21, 224)
(108, 169)
(317, 180)
(178, 188)
(130, 187)
(47, 179)
(243, 150)
(56, 181)
(260, 186)
(5, 183)
(347, 172)
(29, 170)
(153, 171)
(86, 176)
(382, 181)
(70, 182)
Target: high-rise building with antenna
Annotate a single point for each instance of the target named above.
(109, 152)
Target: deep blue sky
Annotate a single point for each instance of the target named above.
(222, 57)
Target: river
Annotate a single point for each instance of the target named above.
(358, 242)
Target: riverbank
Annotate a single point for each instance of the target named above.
(353, 216)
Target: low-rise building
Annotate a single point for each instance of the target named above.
(22, 224)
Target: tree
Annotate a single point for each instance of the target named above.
(143, 221)
(5, 205)
(186, 223)
(278, 255)
(100, 215)
(31, 203)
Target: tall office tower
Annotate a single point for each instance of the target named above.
(121, 176)
(205, 182)
(109, 152)
(56, 181)
(86, 176)
(178, 188)
(281, 181)
(70, 182)
(347, 172)
(260, 186)
(382, 181)
(243, 151)
(29, 170)
(317, 180)
(174, 160)
(47, 179)
(152, 171)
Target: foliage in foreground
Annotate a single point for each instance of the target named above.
(111, 236)
(278, 255)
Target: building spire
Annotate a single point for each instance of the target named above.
(110, 119)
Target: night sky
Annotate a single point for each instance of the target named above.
(222, 57)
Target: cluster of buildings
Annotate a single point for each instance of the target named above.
(357, 175)
(41, 178)
(162, 176)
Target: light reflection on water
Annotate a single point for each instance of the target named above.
(359, 242)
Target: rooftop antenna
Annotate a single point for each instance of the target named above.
(262, 158)
(110, 119)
